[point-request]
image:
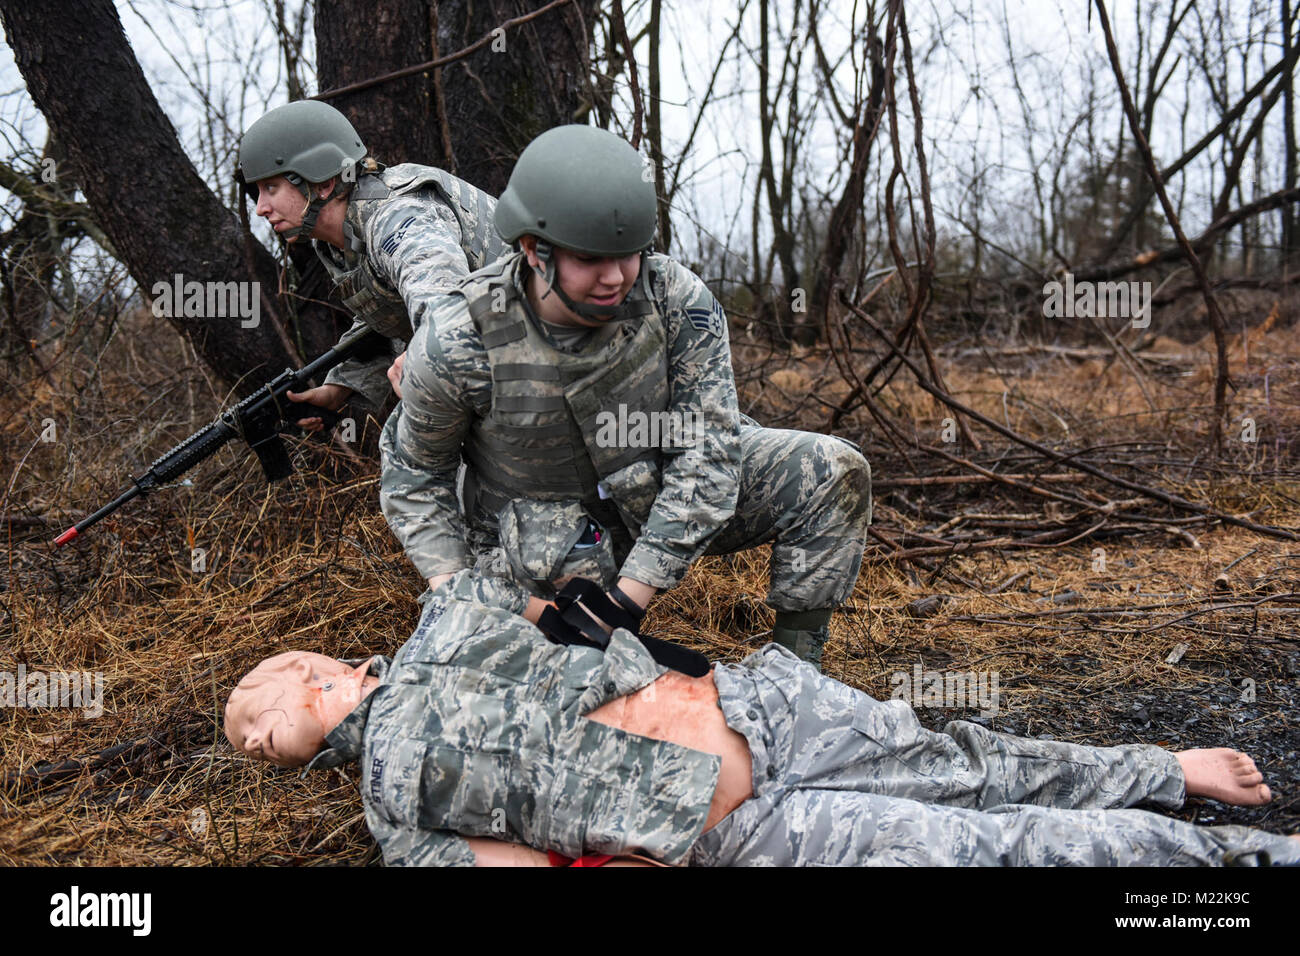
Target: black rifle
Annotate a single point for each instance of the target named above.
(259, 419)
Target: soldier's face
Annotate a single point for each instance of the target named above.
(284, 707)
(280, 203)
(592, 279)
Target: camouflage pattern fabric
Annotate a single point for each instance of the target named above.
(477, 730)
(540, 546)
(810, 496)
(369, 377)
(405, 249)
(738, 486)
(843, 779)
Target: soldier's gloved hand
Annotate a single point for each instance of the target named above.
(332, 397)
(395, 374)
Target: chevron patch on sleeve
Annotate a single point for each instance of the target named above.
(708, 320)
(390, 244)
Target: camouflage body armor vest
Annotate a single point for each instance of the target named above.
(539, 440)
(364, 293)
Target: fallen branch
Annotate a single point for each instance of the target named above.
(1067, 460)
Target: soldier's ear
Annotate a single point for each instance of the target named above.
(529, 245)
(326, 189)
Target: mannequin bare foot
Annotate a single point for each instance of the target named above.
(1223, 774)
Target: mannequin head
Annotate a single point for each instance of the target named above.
(284, 707)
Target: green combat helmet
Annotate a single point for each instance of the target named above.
(583, 189)
(305, 142)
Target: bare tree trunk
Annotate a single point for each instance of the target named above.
(358, 39)
(839, 231)
(778, 196)
(1288, 131)
(30, 254)
(160, 217)
(526, 81)
(1217, 324)
(656, 131)
(498, 99)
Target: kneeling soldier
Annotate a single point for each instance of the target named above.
(392, 239)
(586, 369)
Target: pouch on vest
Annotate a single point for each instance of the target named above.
(634, 490)
(548, 543)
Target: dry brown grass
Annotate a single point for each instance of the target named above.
(310, 564)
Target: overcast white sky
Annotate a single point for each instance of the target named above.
(214, 67)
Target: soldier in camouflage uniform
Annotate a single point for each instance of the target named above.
(481, 728)
(391, 239)
(584, 369)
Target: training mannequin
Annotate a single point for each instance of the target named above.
(482, 728)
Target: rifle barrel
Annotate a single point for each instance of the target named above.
(85, 523)
(230, 424)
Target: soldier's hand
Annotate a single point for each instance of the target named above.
(395, 374)
(332, 397)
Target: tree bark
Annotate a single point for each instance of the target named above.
(358, 39)
(1288, 132)
(498, 99)
(142, 190)
(839, 231)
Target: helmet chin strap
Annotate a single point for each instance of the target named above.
(314, 205)
(550, 275)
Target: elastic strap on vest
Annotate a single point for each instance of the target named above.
(504, 335)
(531, 403)
(525, 372)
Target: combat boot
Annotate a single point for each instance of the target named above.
(806, 644)
(803, 632)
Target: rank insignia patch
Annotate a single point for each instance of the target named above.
(390, 244)
(708, 320)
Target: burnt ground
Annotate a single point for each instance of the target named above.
(1208, 705)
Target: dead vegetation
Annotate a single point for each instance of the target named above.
(1179, 631)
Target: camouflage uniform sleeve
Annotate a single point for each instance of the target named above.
(420, 444)
(369, 376)
(701, 482)
(414, 243)
(489, 583)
